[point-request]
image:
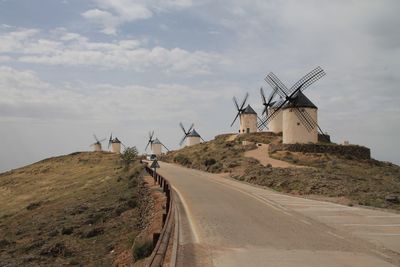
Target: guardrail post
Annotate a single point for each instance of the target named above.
(164, 218)
(156, 236)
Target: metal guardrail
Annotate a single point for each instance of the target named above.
(160, 249)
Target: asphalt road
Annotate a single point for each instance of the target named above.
(223, 222)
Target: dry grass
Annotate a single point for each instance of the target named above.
(80, 209)
(364, 182)
(218, 155)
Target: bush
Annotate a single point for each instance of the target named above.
(217, 167)
(209, 162)
(129, 155)
(142, 250)
(182, 159)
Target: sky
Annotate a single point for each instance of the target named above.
(71, 68)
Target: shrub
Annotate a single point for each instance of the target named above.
(217, 167)
(182, 159)
(142, 250)
(209, 162)
(129, 155)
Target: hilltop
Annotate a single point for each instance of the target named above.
(339, 178)
(79, 209)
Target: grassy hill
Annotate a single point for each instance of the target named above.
(350, 181)
(79, 209)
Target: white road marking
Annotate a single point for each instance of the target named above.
(306, 222)
(287, 213)
(381, 234)
(380, 253)
(311, 205)
(189, 217)
(270, 201)
(335, 235)
(256, 196)
(383, 216)
(372, 225)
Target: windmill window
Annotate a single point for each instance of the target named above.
(302, 110)
(298, 123)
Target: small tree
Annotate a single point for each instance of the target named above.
(129, 155)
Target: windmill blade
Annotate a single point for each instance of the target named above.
(95, 138)
(271, 96)
(202, 139)
(310, 118)
(123, 145)
(164, 146)
(280, 84)
(237, 115)
(102, 140)
(258, 123)
(236, 103)
(275, 86)
(190, 129)
(266, 120)
(183, 128)
(151, 134)
(307, 124)
(307, 80)
(264, 101)
(147, 146)
(183, 140)
(244, 101)
(110, 141)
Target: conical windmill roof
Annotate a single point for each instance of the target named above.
(115, 140)
(156, 141)
(277, 104)
(193, 133)
(249, 110)
(300, 101)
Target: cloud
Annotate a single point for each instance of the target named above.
(72, 49)
(111, 14)
(26, 96)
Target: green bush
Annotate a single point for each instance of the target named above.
(209, 162)
(142, 250)
(182, 159)
(216, 168)
(129, 155)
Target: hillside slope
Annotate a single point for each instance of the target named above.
(340, 179)
(79, 209)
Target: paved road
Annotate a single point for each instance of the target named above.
(223, 222)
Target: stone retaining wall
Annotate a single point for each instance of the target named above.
(353, 151)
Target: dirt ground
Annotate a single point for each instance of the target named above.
(262, 155)
(82, 209)
(155, 216)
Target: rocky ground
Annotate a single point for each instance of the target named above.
(84, 209)
(355, 182)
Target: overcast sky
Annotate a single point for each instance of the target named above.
(71, 68)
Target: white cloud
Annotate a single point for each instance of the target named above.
(5, 58)
(111, 14)
(72, 49)
(26, 96)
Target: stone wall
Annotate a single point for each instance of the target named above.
(353, 151)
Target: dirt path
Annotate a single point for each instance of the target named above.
(231, 138)
(261, 154)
